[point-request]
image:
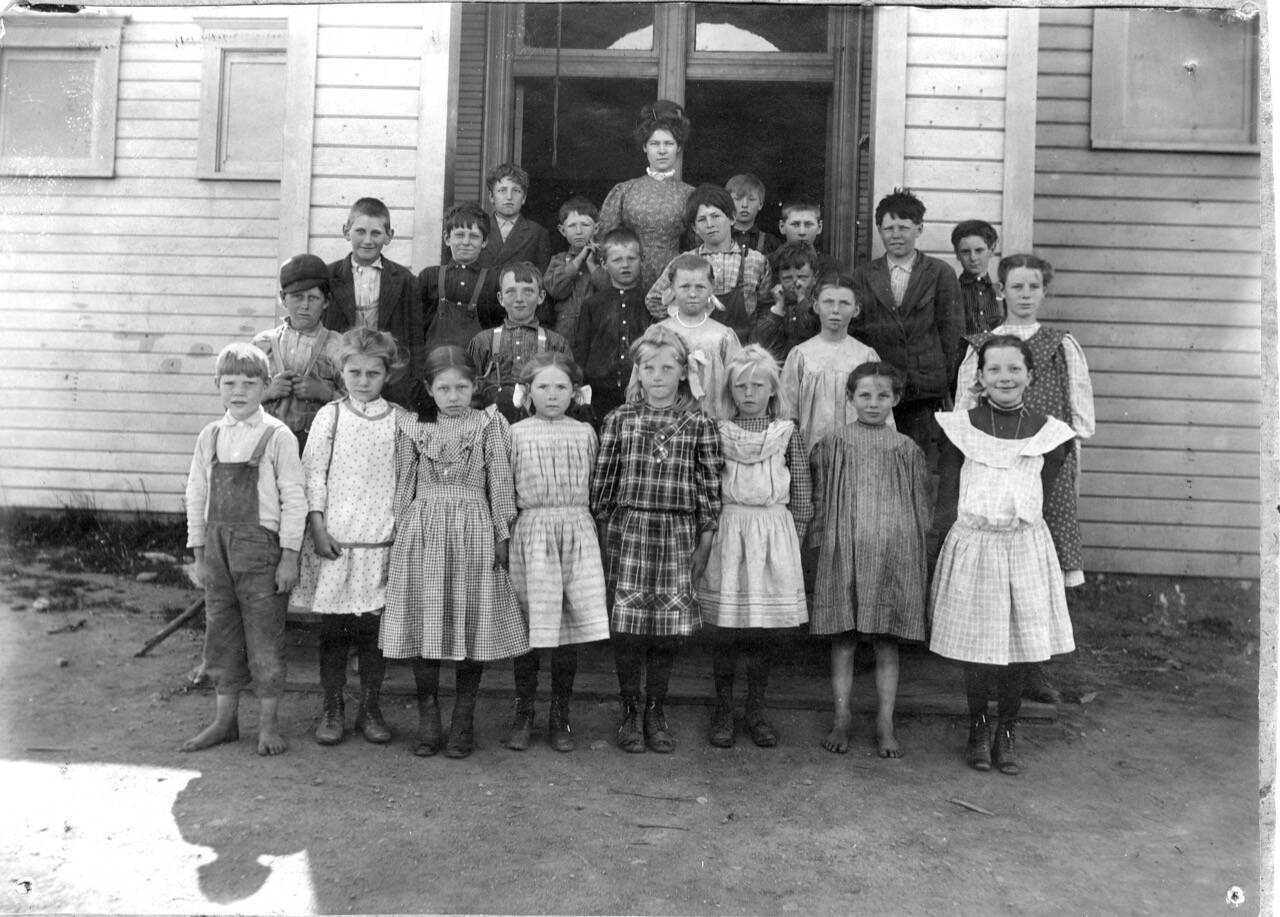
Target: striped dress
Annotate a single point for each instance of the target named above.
(998, 595)
(871, 513)
(555, 557)
(446, 599)
(655, 489)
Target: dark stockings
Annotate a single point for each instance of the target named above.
(978, 679)
(564, 668)
(655, 655)
(337, 634)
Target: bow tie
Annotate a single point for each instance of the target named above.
(661, 176)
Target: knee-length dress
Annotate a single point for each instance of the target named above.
(555, 555)
(998, 595)
(350, 465)
(454, 500)
(1060, 387)
(654, 490)
(871, 514)
(813, 384)
(753, 577)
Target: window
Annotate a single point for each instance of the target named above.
(242, 99)
(58, 79)
(1175, 80)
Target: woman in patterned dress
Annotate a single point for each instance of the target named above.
(998, 598)
(448, 594)
(652, 206)
(555, 556)
(655, 494)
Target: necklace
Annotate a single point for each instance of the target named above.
(698, 324)
(1008, 412)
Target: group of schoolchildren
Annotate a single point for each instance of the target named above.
(516, 451)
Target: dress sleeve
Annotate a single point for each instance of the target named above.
(918, 478)
(604, 478)
(965, 398)
(710, 465)
(502, 485)
(317, 455)
(819, 475)
(406, 467)
(653, 300)
(792, 369)
(610, 211)
(1080, 388)
(801, 501)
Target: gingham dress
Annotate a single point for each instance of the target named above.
(754, 578)
(871, 503)
(555, 557)
(655, 488)
(351, 478)
(454, 500)
(813, 384)
(998, 595)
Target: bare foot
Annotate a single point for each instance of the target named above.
(215, 733)
(837, 739)
(270, 742)
(886, 739)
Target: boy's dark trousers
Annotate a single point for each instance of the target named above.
(244, 617)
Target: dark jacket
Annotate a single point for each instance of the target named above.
(399, 312)
(921, 337)
(527, 241)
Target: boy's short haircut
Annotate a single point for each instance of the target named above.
(581, 206)
(901, 204)
(690, 261)
(980, 228)
(799, 204)
(522, 272)
(465, 216)
(792, 256)
(621, 236)
(507, 170)
(242, 359)
(744, 184)
(708, 195)
(372, 208)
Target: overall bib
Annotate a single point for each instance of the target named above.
(455, 322)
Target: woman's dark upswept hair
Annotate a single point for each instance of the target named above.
(438, 361)
(662, 116)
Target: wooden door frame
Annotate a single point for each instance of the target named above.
(671, 49)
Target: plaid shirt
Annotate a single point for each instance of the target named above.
(757, 278)
(658, 460)
(797, 457)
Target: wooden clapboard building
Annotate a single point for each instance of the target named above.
(157, 163)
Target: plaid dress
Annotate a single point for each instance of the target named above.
(454, 500)
(656, 488)
(555, 556)
(998, 595)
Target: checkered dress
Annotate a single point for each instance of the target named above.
(454, 500)
(998, 595)
(656, 487)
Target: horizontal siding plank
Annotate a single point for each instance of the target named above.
(150, 232)
(1063, 311)
(1228, 264)
(158, 109)
(92, 441)
(1148, 187)
(68, 481)
(114, 361)
(185, 285)
(385, 162)
(176, 129)
(944, 143)
(128, 421)
(1171, 537)
(106, 501)
(1171, 563)
(1169, 487)
(1149, 286)
(1069, 208)
(366, 132)
(1134, 410)
(125, 463)
(166, 266)
(968, 82)
(143, 204)
(1195, 514)
(205, 405)
(139, 243)
(1170, 385)
(128, 343)
(355, 71)
(974, 52)
(154, 148)
(1173, 337)
(387, 15)
(1077, 36)
(1171, 462)
(1062, 111)
(1075, 61)
(343, 191)
(1123, 162)
(1141, 237)
(354, 41)
(127, 189)
(150, 325)
(1057, 19)
(161, 72)
(1172, 436)
(1062, 87)
(1189, 362)
(346, 100)
(87, 382)
(977, 176)
(973, 22)
(977, 114)
(153, 90)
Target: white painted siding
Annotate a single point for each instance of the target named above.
(1158, 266)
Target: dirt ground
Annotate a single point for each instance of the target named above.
(1140, 797)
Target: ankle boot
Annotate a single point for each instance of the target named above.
(630, 738)
(977, 753)
(430, 731)
(517, 737)
(462, 736)
(369, 720)
(722, 718)
(333, 719)
(1002, 752)
(657, 736)
(762, 731)
(559, 733)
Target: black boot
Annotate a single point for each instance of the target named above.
(657, 736)
(333, 720)
(1037, 687)
(977, 753)
(762, 731)
(518, 736)
(369, 720)
(721, 735)
(426, 675)
(559, 732)
(462, 735)
(630, 738)
(1002, 752)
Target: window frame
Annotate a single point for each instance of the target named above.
(223, 36)
(74, 32)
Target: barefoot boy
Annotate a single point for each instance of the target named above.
(246, 511)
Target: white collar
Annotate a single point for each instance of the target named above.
(905, 265)
(253, 420)
(357, 266)
(660, 176)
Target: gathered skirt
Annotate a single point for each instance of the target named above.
(754, 577)
(558, 576)
(445, 597)
(998, 596)
(647, 570)
(355, 582)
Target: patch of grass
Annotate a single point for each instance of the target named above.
(85, 539)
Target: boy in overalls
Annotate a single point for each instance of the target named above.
(459, 298)
(246, 513)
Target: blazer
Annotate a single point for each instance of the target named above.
(922, 336)
(527, 241)
(399, 312)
